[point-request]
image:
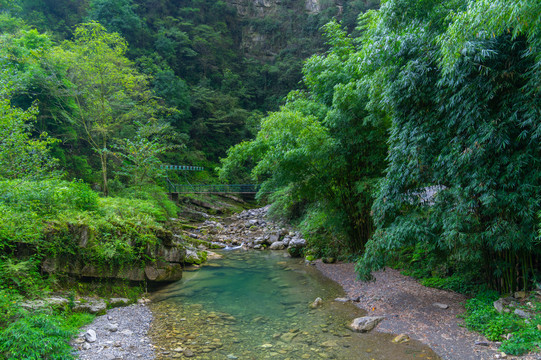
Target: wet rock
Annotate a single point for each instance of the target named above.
(340, 299)
(402, 338)
(90, 336)
(366, 323)
(166, 273)
(316, 303)
(189, 353)
(329, 344)
(288, 337)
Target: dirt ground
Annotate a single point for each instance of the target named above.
(409, 308)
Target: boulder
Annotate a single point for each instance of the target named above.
(288, 337)
(54, 303)
(503, 304)
(523, 314)
(278, 245)
(273, 238)
(365, 323)
(296, 247)
(192, 257)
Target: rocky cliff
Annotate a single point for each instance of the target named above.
(269, 26)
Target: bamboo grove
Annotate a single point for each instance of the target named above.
(418, 139)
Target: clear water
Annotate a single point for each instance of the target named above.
(255, 305)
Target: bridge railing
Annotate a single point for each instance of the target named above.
(220, 188)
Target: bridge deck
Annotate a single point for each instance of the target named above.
(214, 189)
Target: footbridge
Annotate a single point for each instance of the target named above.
(213, 189)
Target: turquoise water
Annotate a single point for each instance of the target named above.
(255, 305)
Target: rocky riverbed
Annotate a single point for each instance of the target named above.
(120, 334)
(249, 229)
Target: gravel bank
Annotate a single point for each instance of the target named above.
(415, 310)
(120, 334)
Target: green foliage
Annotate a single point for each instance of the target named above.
(109, 93)
(22, 276)
(35, 334)
(36, 337)
(22, 156)
(454, 282)
(481, 316)
(463, 172)
(323, 151)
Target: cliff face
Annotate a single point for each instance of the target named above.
(268, 26)
(262, 8)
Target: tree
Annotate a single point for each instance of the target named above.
(21, 156)
(466, 124)
(109, 93)
(141, 163)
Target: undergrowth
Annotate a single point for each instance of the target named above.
(518, 335)
(39, 219)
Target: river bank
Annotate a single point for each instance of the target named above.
(425, 314)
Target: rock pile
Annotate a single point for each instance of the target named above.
(250, 229)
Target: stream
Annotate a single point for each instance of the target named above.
(255, 305)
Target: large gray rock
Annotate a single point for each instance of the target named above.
(503, 304)
(192, 257)
(273, 238)
(365, 323)
(118, 302)
(278, 245)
